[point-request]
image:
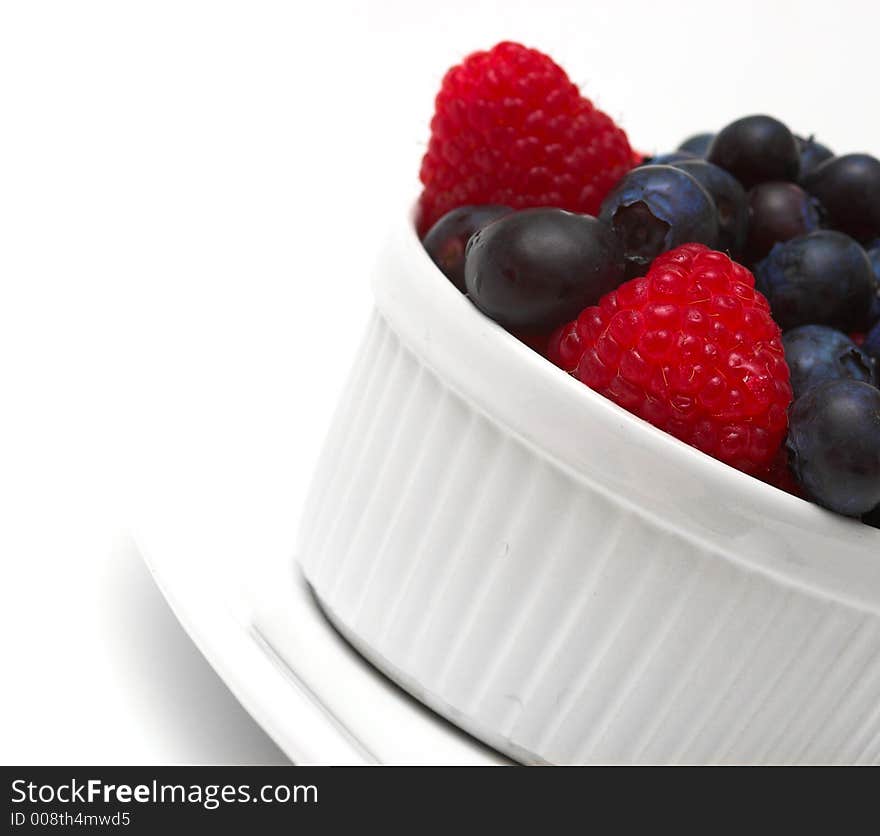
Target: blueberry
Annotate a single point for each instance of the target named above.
(538, 268)
(871, 345)
(822, 278)
(812, 153)
(817, 353)
(834, 445)
(849, 189)
(669, 158)
(779, 212)
(445, 242)
(873, 250)
(656, 208)
(730, 199)
(697, 144)
(756, 149)
(872, 518)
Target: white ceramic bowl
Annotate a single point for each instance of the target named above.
(567, 582)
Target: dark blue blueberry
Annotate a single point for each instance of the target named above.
(873, 251)
(812, 154)
(834, 445)
(779, 211)
(731, 203)
(538, 268)
(822, 278)
(697, 144)
(848, 187)
(446, 241)
(669, 158)
(756, 149)
(817, 353)
(872, 517)
(871, 345)
(656, 208)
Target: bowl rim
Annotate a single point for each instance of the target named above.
(452, 333)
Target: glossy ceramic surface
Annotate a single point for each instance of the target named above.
(563, 579)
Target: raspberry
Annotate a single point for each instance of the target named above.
(780, 476)
(691, 348)
(510, 128)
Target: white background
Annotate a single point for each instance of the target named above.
(191, 195)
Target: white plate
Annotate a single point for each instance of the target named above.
(314, 695)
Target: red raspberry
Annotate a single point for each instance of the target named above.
(780, 476)
(510, 128)
(692, 348)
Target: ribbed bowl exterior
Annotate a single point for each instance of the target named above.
(555, 617)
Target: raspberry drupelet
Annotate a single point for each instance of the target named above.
(690, 347)
(510, 128)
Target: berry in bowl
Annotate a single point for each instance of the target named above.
(569, 499)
